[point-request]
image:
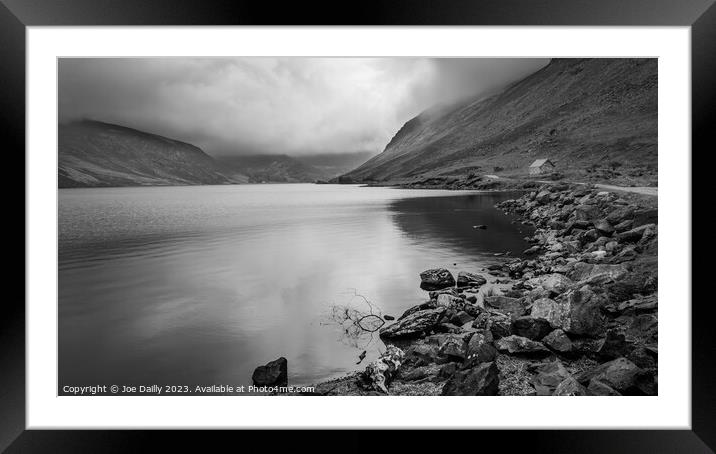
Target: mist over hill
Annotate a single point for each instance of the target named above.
(576, 112)
(96, 154)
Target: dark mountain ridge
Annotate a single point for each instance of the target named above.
(576, 112)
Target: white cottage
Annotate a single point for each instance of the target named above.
(541, 166)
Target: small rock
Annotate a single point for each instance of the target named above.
(521, 345)
(465, 279)
(389, 317)
(479, 227)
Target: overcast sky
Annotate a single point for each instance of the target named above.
(274, 105)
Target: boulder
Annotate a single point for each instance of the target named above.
(514, 307)
(570, 387)
(582, 271)
(499, 325)
(521, 346)
(414, 324)
(423, 354)
(621, 214)
(586, 212)
(436, 279)
(480, 349)
(543, 197)
(449, 301)
(548, 376)
(417, 373)
(634, 235)
(553, 283)
(585, 312)
(420, 307)
(614, 345)
(461, 318)
(447, 370)
(646, 216)
(481, 380)
(620, 374)
(531, 328)
(453, 345)
(449, 291)
(603, 226)
(577, 312)
(643, 357)
(465, 279)
(599, 388)
(577, 224)
(624, 226)
(274, 373)
(555, 312)
(558, 341)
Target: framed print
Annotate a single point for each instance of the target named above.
(414, 217)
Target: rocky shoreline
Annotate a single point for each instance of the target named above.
(577, 316)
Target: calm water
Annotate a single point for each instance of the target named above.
(199, 285)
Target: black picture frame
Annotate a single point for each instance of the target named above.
(16, 15)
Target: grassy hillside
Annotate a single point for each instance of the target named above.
(272, 169)
(589, 116)
(94, 154)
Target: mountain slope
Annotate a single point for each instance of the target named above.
(93, 153)
(577, 112)
(272, 169)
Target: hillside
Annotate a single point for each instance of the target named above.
(271, 169)
(279, 168)
(95, 154)
(583, 114)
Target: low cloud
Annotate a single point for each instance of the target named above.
(292, 106)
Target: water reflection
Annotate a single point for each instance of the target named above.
(200, 285)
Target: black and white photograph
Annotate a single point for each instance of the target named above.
(356, 226)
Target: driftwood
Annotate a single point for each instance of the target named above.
(378, 374)
(359, 319)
